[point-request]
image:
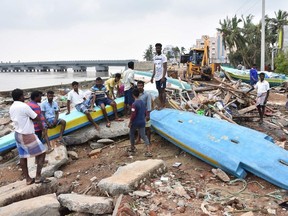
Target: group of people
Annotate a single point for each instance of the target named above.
(32, 120)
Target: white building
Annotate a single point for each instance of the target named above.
(217, 52)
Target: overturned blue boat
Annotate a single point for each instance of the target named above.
(233, 148)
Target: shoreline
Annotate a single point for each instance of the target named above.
(83, 84)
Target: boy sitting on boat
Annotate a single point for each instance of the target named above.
(102, 99)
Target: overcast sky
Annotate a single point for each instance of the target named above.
(44, 30)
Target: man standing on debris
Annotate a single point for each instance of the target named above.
(27, 142)
(253, 76)
(137, 122)
(160, 74)
(147, 99)
(76, 96)
(129, 82)
(262, 87)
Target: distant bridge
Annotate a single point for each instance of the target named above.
(101, 66)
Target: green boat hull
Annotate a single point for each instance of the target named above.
(246, 78)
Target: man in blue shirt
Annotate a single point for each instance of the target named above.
(137, 122)
(50, 111)
(102, 99)
(147, 99)
(253, 76)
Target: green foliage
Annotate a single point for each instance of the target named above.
(281, 62)
(148, 54)
(243, 38)
(176, 52)
(169, 55)
(183, 50)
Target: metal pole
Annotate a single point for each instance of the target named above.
(272, 60)
(263, 37)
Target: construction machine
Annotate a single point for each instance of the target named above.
(198, 62)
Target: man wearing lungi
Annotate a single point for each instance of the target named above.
(27, 142)
(262, 87)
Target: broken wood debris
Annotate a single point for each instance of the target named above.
(224, 99)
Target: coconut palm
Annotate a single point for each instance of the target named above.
(183, 50)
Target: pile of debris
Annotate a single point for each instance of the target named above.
(222, 98)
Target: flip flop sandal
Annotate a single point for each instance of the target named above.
(31, 182)
(148, 154)
(42, 181)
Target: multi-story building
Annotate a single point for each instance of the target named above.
(217, 51)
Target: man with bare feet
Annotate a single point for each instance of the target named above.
(160, 74)
(76, 96)
(27, 142)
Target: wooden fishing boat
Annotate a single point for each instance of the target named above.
(273, 78)
(74, 121)
(233, 148)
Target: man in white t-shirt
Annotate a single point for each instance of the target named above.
(27, 142)
(160, 74)
(77, 97)
(262, 87)
(129, 82)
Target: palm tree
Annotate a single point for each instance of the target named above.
(277, 23)
(225, 30)
(176, 52)
(183, 50)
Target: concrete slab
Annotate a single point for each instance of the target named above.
(86, 204)
(45, 205)
(129, 177)
(18, 191)
(55, 159)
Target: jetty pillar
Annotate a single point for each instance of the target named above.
(102, 71)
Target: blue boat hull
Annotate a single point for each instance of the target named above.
(74, 121)
(233, 148)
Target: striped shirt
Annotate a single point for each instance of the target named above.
(36, 108)
(100, 92)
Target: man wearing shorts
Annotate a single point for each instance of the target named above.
(50, 111)
(160, 74)
(128, 80)
(76, 96)
(102, 99)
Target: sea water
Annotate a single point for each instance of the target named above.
(23, 80)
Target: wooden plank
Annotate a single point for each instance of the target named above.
(247, 109)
